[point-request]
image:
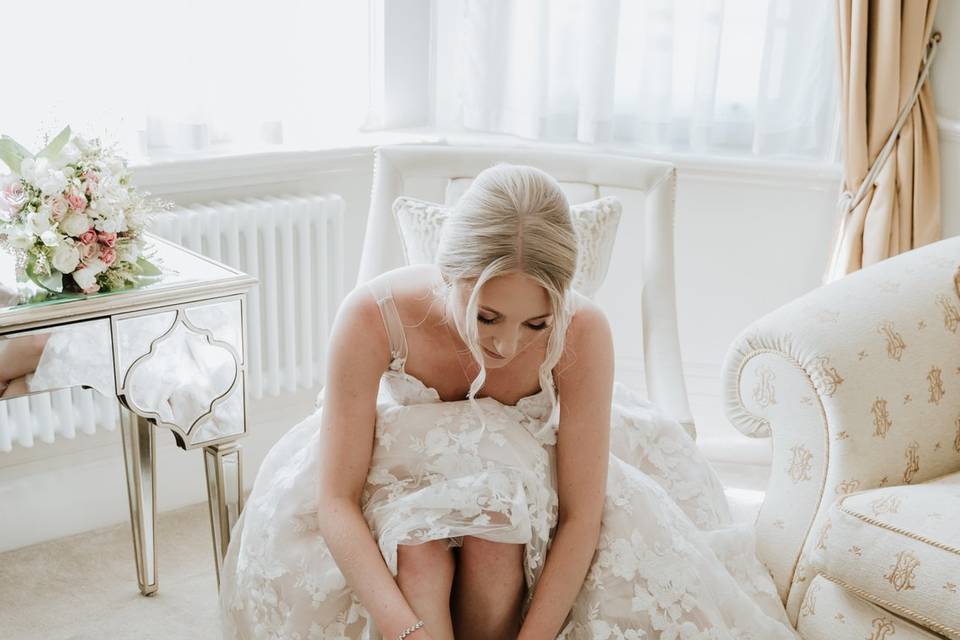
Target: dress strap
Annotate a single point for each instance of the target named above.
(391, 320)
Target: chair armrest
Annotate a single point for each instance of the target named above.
(858, 383)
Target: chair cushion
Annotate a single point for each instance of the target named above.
(899, 547)
(829, 612)
(421, 222)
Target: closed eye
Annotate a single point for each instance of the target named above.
(535, 327)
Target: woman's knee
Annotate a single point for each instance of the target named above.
(427, 563)
(486, 558)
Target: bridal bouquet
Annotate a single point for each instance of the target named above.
(71, 217)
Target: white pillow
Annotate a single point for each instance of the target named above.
(595, 222)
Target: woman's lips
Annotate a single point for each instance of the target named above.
(492, 354)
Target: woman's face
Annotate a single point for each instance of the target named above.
(513, 312)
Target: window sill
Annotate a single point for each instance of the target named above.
(226, 167)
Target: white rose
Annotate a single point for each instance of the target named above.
(85, 278)
(105, 206)
(66, 257)
(75, 224)
(38, 222)
(54, 184)
(112, 224)
(38, 172)
(97, 265)
(50, 238)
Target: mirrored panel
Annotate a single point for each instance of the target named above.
(73, 355)
(227, 419)
(135, 333)
(180, 379)
(222, 319)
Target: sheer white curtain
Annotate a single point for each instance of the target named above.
(728, 77)
(185, 77)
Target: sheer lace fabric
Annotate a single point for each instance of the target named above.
(669, 562)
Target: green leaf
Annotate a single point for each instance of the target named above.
(12, 153)
(57, 144)
(52, 281)
(147, 268)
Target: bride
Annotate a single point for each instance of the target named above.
(474, 471)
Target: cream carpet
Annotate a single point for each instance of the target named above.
(84, 587)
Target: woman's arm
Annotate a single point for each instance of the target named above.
(583, 449)
(18, 357)
(359, 353)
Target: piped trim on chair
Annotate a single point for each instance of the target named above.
(907, 614)
(889, 527)
(759, 427)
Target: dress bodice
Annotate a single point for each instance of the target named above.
(533, 411)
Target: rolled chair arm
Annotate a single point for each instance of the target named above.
(858, 383)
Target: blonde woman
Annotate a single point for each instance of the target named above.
(475, 472)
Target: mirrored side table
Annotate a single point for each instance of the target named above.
(172, 351)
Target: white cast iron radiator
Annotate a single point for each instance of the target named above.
(293, 245)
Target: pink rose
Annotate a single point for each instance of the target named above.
(77, 202)
(90, 181)
(15, 194)
(108, 256)
(92, 289)
(108, 239)
(58, 208)
(88, 251)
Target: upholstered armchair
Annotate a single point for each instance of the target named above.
(858, 384)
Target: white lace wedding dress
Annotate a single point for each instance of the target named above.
(669, 562)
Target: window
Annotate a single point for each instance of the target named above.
(184, 77)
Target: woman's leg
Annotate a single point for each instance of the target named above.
(16, 387)
(425, 576)
(488, 590)
(19, 356)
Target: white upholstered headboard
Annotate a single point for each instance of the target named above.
(638, 294)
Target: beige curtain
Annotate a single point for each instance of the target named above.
(891, 183)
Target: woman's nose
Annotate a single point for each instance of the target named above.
(506, 343)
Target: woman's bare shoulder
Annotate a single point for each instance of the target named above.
(412, 288)
(588, 325)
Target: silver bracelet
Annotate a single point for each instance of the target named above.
(410, 630)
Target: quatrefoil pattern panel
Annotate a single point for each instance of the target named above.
(181, 376)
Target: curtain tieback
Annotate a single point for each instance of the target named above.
(848, 201)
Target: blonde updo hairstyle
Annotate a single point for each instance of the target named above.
(512, 218)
